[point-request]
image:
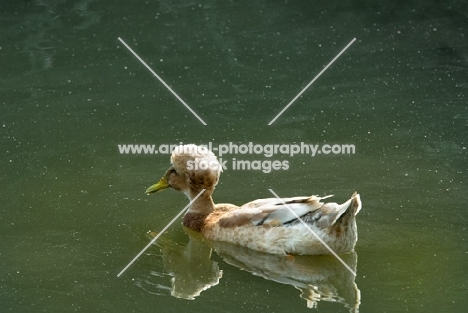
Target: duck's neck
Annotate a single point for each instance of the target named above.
(199, 210)
(203, 205)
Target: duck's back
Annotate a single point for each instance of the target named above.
(275, 229)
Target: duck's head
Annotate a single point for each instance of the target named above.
(193, 168)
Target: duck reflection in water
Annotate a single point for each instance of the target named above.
(319, 278)
(191, 268)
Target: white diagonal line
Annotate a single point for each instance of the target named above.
(313, 233)
(162, 81)
(313, 80)
(160, 233)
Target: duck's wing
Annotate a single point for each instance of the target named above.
(271, 211)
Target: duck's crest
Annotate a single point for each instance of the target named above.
(197, 162)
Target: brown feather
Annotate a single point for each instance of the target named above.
(194, 221)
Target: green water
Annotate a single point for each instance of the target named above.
(74, 212)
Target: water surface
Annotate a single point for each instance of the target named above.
(74, 212)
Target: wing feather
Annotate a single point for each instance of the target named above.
(271, 211)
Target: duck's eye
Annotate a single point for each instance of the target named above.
(172, 171)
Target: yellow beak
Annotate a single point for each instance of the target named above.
(160, 185)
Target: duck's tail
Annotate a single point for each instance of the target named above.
(348, 210)
(356, 204)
